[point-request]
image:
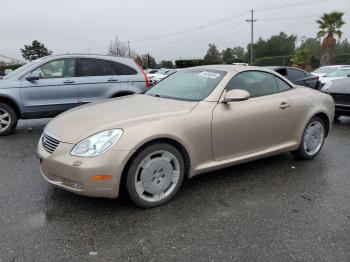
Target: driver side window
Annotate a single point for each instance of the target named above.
(256, 83)
(56, 69)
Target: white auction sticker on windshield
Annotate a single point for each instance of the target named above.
(209, 74)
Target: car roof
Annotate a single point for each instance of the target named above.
(233, 68)
(84, 55)
(335, 66)
(282, 67)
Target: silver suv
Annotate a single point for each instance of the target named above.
(50, 85)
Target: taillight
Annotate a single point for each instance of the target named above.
(148, 84)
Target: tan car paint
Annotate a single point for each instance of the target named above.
(214, 134)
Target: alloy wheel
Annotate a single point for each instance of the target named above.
(313, 138)
(5, 120)
(157, 176)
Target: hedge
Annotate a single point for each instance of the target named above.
(188, 63)
(342, 59)
(274, 61)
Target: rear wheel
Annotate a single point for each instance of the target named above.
(8, 119)
(313, 139)
(155, 175)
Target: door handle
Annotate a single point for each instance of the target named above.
(284, 105)
(112, 80)
(68, 82)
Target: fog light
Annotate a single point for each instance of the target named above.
(101, 177)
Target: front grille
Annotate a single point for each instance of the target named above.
(343, 99)
(49, 143)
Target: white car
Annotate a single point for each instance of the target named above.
(324, 70)
(340, 73)
(240, 64)
(160, 75)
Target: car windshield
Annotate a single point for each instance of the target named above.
(339, 73)
(324, 70)
(22, 68)
(190, 85)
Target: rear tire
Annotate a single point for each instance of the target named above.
(313, 139)
(155, 175)
(8, 119)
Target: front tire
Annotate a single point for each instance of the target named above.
(8, 119)
(155, 175)
(313, 139)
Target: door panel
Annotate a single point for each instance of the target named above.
(97, 79)
(245, 127)
(55, 91)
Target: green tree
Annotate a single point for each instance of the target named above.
(329, 25)
(314, 47)
(213, 55)
(146, 61)
(239, 53)
(166, 64)
(35, 51)
(302, 57)
(277, 45)
(227, 55)
(343, 47)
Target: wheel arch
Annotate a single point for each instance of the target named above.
(325, 119)
(12, 103)
(122, 93)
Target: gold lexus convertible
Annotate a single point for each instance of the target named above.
(197, 120)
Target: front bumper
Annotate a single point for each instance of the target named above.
(74, 173)
(342, 110)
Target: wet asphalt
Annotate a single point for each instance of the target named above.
(276, 209)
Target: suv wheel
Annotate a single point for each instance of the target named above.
(8, 119)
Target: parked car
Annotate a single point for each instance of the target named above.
(324, 70)
(240, 64)
(197, 120)
(340, 91)
(154, 79)
(339, 73)
(297, 76)
(151, 71)
(48, 86)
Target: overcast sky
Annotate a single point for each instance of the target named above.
(166, 29)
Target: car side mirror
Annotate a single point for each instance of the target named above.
(348, 75)
(236, 95)
(33, 77)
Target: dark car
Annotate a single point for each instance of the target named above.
(297, 76)
(340, 91)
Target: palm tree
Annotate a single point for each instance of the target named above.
(329, 25)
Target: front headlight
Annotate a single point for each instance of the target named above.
(326, 86)
(97, 144)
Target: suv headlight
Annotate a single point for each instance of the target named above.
(97, 144)
(327, 86)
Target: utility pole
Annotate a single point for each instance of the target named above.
(252, 21)
(129, 48)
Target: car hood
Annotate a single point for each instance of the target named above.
(341, 86)
(84, 121)
(325, 79)
(8, 83)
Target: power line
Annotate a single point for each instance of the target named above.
(199, 27)
(237, 15)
